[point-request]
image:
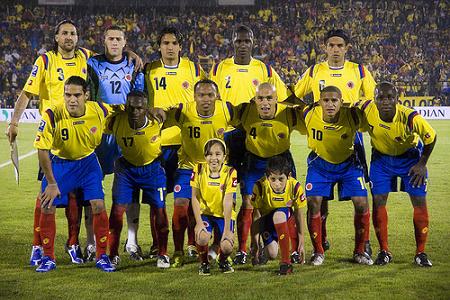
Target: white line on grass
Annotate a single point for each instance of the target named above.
(20, 158)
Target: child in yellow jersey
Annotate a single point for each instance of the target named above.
(274, 197)
(213, 194)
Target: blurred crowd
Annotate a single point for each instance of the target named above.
(401, 41)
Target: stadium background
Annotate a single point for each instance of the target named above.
(402, 41)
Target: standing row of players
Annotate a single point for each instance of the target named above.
(266, 129)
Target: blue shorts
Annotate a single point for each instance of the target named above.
(266, 227)
(322, 176)
(235, 141)
(255, 168)
(150, 178)
(170, 164)
(217, 223)
(84, 174)
(108, 152)
(182, 187)
(384, 170)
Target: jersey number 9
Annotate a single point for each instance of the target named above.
(64, 134)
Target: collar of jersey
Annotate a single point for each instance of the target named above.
(336, 68)
(115, 62)
(171, 67)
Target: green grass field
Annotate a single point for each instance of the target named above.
(337, 278)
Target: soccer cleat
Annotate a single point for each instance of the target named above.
(368, 248)
(212, 255)
(153, 252)
(47, 264)
(89, 253)
(225, 267)
(383, 258)
(36, 255)
(75, 254)
(326, 245)
(240, 258)
(192, 251)
(363, 259)
(204, 269)
(163, 262)
(134, 251)
(317, 259)
(285, 269)
(178, 259)
(104, 264)
(295, 258)
(422, 260)
(115, 260)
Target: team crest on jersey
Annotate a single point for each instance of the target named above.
(34, 71)
(302, 198)
(255, 82)
(344, 136)
(154, 138)
(84, 70)
(206, 224)
(42, 126)
(282, 135)
(94, 130)
(350, 84)
(220, 131)
(30, 82)
(185, 85)
(128, 77)
(177, 188)
(234, 183)
(309, 186)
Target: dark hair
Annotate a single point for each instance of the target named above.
(386, 85)
(242, 28)
(213, 142)
(339, 33)
(278, 164)
(57, 27)
(170, 30)
(114, 27)
(206, 81)
(136, 93)
(331, 89)
(77, 80)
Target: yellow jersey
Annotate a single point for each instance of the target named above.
(211, 191)
(68, 137)
(139, 146)
(351, 79)
(266, 200)
(266, 138)
(167, 86)
(396, 137)
(332, 142)
(237, 83)
(50, 72)
(196, 130)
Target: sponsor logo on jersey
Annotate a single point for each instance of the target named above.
(139, 133)
(171, 73)
(266, 124)
(34, 71)
(385, 127)
(206, 122)
(350, 84)
(41, 126)
(185, 85)
(336, 75)
(212, 183)
(71, 64)
(128, 77)
(242, 70)
(78, 122)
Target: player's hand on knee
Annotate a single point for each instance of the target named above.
(227, 241)
(417, 173)
(200, 232)
(49, 194)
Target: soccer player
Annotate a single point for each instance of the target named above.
(111, 77)
(351, 78)
(237, 78)
(66, 140)
(169, 81)
(139, 167)
(402, 142)
(205, 119)
(274, 196)
(213, 200)
(330, 130)
(268, 126)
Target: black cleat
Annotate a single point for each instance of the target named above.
(285, 269)
(383, 258)
(422, 260)
(204, 269)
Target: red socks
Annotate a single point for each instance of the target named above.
(48, 232)
(153, 227)
(244, 222)
(73, 215)
(191, 226)
(101, 228)
(203, 253)
(362, 225)
(315, 232)
(380, 223)
(36, 227)
(420, 220)
(179, 225)
(162, 230)
(293, 233)
(115, 228)
(282, 230)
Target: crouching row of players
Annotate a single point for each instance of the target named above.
(72, 132)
